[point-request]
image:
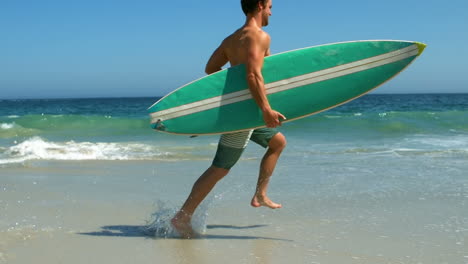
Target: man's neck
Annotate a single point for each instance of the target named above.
(253, 21)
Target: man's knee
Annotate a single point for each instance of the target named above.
(278, 142)
(218, 172)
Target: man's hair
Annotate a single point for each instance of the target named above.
(249, 6)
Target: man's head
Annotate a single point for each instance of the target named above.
(262, 6)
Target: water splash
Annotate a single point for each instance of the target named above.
(160, 224)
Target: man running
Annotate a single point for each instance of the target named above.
(248, 45)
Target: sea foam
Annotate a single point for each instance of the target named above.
(6, 126)
(37, 148)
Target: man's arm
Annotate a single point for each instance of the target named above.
(257, 48)
(217, 60)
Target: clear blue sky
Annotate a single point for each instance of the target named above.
(108, 48)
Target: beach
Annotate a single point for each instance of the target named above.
(379, 180)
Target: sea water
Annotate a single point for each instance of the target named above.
(388, 171)
(432, 125)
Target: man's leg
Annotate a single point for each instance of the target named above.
(267, 166)
(201, 188)
(230, 148)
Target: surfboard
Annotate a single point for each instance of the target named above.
(298, 83)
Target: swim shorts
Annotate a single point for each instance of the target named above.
(231, 146)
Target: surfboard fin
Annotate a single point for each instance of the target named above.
(159, 125)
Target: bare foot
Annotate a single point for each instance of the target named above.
(181, 223)
(258, 201)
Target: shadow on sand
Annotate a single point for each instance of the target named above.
(142, 231)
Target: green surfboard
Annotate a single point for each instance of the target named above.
(298, 83)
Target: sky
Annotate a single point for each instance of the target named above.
(115, 48)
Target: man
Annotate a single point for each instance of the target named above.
(248, 45)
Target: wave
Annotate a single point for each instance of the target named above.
(388, 122)
(385, 123)
(389, 151)
(11, 130)
(37, 148)
(29, 125)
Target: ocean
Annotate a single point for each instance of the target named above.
(118, 129)
(381, 179)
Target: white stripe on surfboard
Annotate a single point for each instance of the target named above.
(286, 84)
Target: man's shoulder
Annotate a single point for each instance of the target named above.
(264, 35)
(263, 38)
(247, 35)
(258, 32)
(257, 35)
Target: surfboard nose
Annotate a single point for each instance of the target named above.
(421, 47)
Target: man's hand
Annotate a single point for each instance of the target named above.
(273, 118)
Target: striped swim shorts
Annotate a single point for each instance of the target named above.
(231, 146)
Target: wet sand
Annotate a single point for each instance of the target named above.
(98, 212)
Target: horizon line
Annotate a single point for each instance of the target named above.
(160, 96)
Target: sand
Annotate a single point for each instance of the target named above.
(98, 212)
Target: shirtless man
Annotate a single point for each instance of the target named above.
(248, 45)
